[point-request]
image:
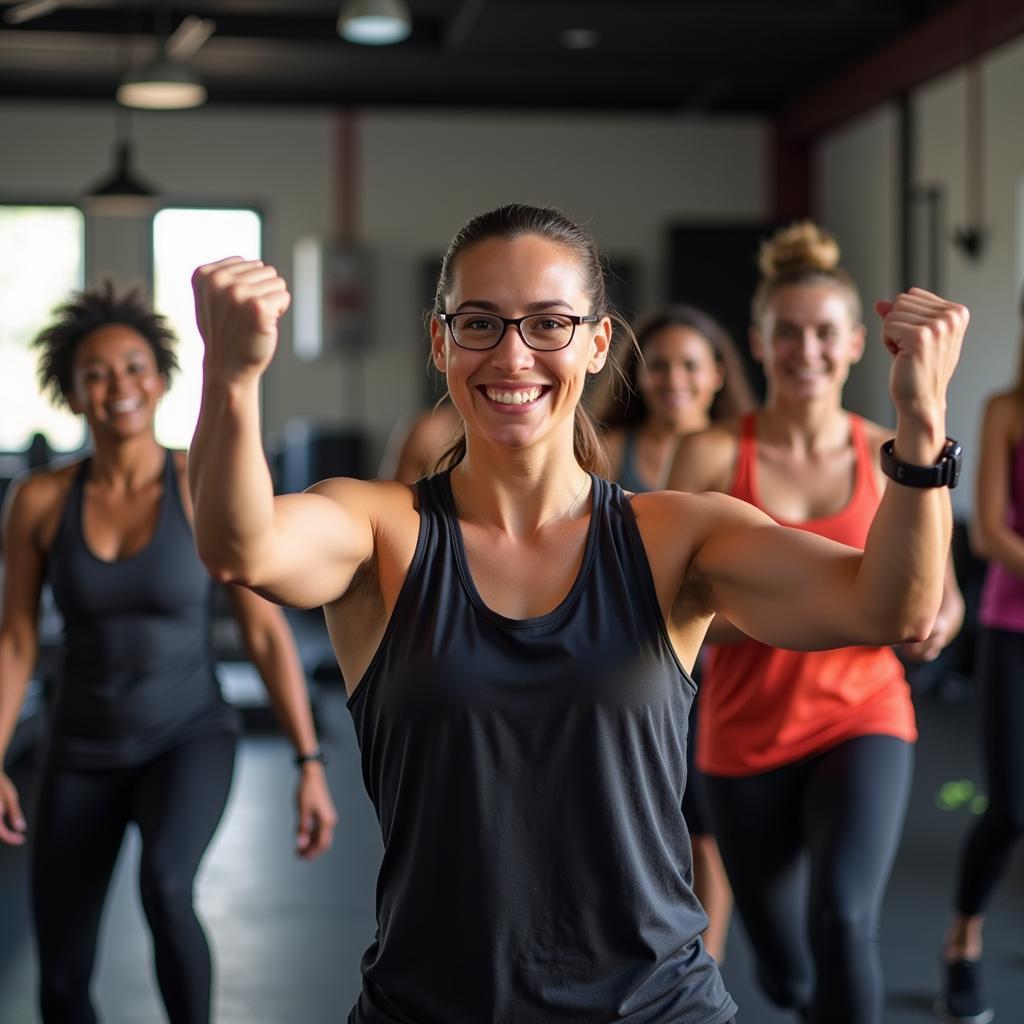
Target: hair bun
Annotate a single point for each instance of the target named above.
(801, 246)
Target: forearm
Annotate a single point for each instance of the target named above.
(232, 491)
(900, 581)
(1003, 545)
(16, 664)
(277, 660)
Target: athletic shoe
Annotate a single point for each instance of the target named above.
(962, 1001)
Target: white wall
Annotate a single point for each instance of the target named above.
(627, 177)
(857, 191)
(856, 199)
(420, 175)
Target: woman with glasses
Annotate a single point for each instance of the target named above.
(683, 373)
(806, 754)
(139, 730)
(517, 632)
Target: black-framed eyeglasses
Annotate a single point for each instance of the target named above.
(545, 332)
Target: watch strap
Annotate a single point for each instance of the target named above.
(944, 473)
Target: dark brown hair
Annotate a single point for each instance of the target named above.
(802, 253)
(87, 311)
(623, 405)
(514, 221)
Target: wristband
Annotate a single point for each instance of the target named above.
(944, 473)
(316, 755)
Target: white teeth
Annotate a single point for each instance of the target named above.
(513, 397)
(126, 405)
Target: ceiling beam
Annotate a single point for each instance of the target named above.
(954, 36)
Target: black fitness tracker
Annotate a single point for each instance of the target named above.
(944, 473)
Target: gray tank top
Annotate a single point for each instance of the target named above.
(528, 776)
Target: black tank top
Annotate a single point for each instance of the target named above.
(528, 776)
(137, 673)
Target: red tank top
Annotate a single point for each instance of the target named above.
(763, 707)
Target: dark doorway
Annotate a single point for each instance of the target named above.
(714, 267)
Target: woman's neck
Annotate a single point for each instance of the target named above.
(658, 429)
(520, 491)
(126, 464)
(804, 427)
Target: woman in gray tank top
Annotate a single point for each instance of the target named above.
(139, 731)
(517, 633)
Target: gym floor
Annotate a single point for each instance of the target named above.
(288, 936)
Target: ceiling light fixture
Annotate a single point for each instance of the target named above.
(162, 84)
(121, 193)
(375, 22)
(167, 82)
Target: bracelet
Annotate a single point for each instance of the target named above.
(316, 755)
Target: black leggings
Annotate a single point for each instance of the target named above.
(1001, 698)
(177, 801)
(808, 849)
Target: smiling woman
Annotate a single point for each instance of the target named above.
(139, 730)
(516, 633)
(820, 741)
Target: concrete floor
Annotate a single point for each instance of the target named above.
(288, 936)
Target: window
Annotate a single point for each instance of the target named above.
(42, 260)
(182, 240)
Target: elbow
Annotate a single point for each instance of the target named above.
(917, 632)
(222, 567)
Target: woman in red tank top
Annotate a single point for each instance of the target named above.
(808, 754)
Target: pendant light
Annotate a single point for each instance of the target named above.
(121, 193)
(167, 82)
(375, 22)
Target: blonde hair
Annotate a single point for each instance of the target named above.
(802, 253)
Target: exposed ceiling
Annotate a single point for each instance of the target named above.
(706, 56)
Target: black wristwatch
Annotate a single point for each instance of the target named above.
(945, 472)
(316, 755)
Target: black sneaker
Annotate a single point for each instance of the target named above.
(962, 1001)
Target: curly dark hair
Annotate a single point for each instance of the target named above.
(88, 310)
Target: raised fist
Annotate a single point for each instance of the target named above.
(238, 305)
(924, 333)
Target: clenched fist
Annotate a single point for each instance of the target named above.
(924, 333)
(238, 306)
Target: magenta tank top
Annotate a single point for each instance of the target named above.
(1002, 598)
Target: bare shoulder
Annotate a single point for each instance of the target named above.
(678, 520)
(384, 503)
(34, 502)
(1004, 409)
(434, 428)
(705, 460)
(685, 536)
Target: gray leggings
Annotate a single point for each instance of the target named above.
(808, 849)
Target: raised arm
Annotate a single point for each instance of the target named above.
(271, 646)
(24, 566)
(298, 549)
(792, 589)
